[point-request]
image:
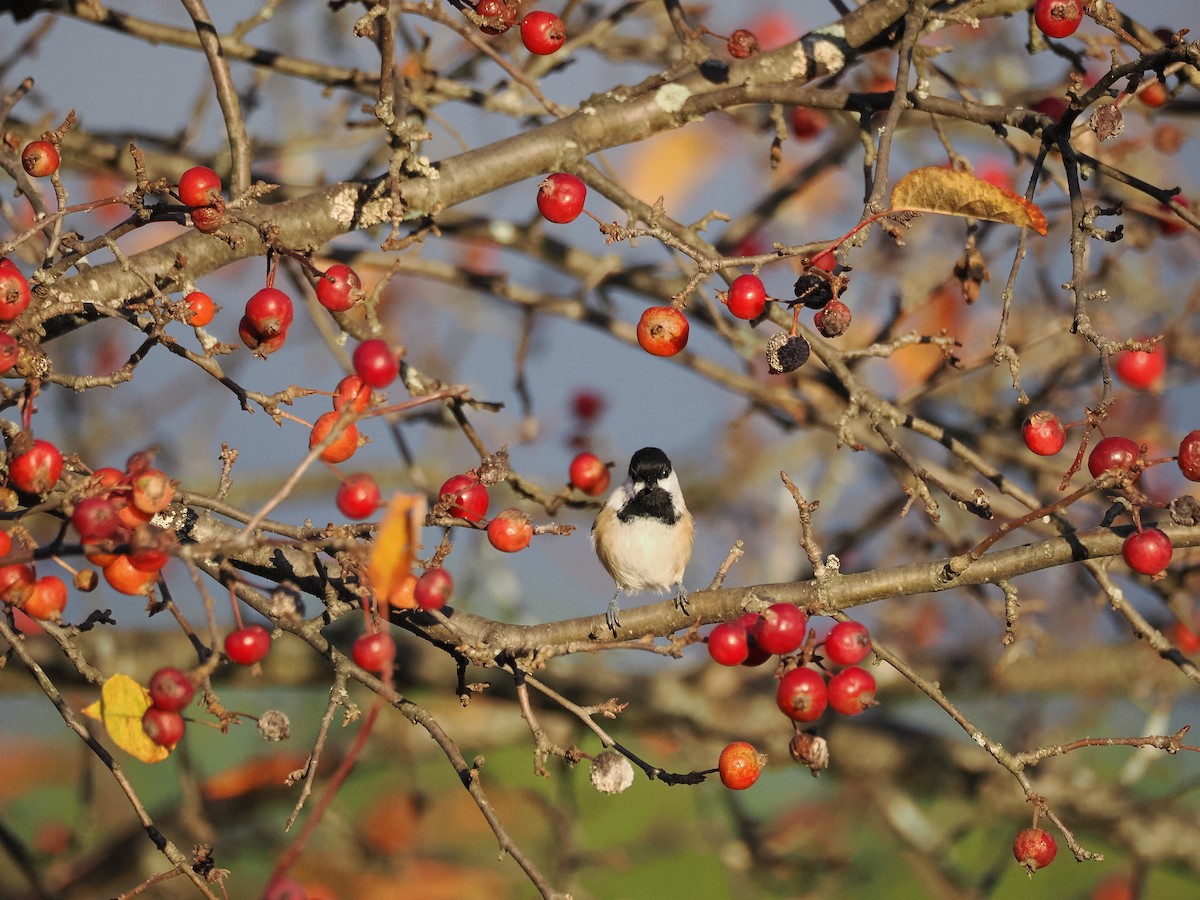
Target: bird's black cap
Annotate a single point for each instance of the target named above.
(649, 465)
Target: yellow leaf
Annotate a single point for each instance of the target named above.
(121, 706)
(952, 192)
(390, 568)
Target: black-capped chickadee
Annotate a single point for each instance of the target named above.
(643, 535)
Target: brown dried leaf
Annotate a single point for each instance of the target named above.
(951, 192)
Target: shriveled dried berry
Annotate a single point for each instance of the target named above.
(813, 291)
(786, 353)
(832, 320)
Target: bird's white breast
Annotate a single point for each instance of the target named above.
(644, 554)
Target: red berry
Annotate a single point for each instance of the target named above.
(802, 695)
(755, 655)
(833, 319)
(375, 363)
(1113, 453)
(587, 405)
(1044, 433)
(151, 491)
(434, 589)
(40, 158)
(847, 643)
(1184, 638)
(260, 345)
(1057, 18)
(171, 689)
(149, 548)
(826, 261)
(662, 331)
(781, 629)
(742, 44)
(47, 599)
(95, 518)
(374, 652)
(1148, 551)
(1189, 456)
(746, 297)
(470, 498)
(200, 308)
(1034, 848)
(740, 765)
(358, 496)
(343, 446)
(14, 293)
(542, 32)
(163, 726)
(511, 530)
(270, 312)
(1141, 369)
(338, 288)
(727, 644)
(10, 352)
(352, 389)
(16, 583)
(851, 691)
(126, 578)
(199, 186)
(1154, 94)
(37, 469)
(248, 645)
(1172, 224)
(560, 197)
(502, 12)
(807, 124)
(589, 473)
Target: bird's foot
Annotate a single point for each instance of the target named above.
(613, 616)
(681, 600)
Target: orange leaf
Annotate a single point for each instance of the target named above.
(121, 705)
(951, 192)
(390, 568)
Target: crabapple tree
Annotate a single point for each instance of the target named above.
(326, 330)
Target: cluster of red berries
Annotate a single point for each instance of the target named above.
(113, 522)
(542, 32)
(376, 365)
(200, 189)
(264, 326)
(509, 531)
(40, 598)
(803, 693)
(170, 691)
(40, 158)
(1147, 551)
